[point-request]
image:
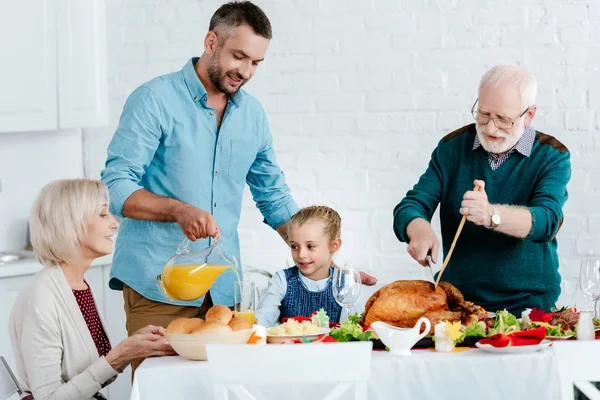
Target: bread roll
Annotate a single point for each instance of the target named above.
(184, 325)
(177, 325)
(220, 314)
(213, 327)
(239, 324)
(193, 324)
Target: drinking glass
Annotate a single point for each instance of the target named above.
(589, 281)
(346, 287)
(245, 299)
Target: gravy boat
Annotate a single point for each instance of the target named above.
(401, 340)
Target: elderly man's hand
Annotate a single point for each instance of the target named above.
(423, 241)
(476, 207)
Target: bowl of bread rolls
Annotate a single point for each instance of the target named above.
(189, 336)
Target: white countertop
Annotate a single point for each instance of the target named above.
(30, 267)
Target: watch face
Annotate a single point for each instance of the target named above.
(496, 219)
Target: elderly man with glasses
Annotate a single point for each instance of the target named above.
(510, 181)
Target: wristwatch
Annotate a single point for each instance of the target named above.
(496, 218)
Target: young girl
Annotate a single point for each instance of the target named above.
(314, 236)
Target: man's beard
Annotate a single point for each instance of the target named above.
(217, 76)
(497, 148)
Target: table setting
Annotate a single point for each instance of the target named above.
(418, 329)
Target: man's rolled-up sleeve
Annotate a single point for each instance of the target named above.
(422, 200)
(549, 197)
(132, 148)
(268, 185)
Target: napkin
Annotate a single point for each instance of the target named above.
(320, 339)
(521, 338)
(540, 315)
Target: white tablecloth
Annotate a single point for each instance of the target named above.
(472, 374)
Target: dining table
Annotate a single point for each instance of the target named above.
(468, 373)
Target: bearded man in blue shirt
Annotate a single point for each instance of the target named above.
(186, 145)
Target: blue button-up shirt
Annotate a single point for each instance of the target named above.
(168, 143)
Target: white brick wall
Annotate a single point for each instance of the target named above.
(358, 92)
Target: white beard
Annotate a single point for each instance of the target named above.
(497, 148)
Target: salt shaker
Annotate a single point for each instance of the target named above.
(525, 320)
(442, 342)
(585, 326)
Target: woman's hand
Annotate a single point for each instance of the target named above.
(157, 330)
(147, 342)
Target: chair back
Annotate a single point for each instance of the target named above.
(576, 361)
(346, 366)
(9, 385)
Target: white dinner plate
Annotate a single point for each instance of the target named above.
(515, 349)
(289, 338)
(559, 337)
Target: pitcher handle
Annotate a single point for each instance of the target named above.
(420, 322)
(184, 245)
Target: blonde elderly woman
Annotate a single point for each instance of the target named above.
(58, 335)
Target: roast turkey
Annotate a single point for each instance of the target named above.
(402, 303)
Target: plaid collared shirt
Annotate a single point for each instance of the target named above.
(523, 146)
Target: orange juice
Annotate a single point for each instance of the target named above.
(190, 282)
(247, 315)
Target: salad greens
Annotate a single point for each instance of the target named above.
(477, 329)
(553, 330)
(505, 323)
(351, 330)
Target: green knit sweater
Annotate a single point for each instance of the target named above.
(491, 269)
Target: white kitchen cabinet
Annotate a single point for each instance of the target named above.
(10, 289)
(53, 64)
(28, 82)
(82, 82)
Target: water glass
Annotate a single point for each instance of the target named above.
(245, 300)
(346, 287)
(589, 281)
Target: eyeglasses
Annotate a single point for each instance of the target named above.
(499, 122)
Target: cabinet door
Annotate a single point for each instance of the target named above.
(28, 58)
(82, 78)
(10, 289)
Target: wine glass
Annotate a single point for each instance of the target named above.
(568, 290)
(346, 287)
(589, 281)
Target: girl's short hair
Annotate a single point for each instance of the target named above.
(59, 217)
(333, 221)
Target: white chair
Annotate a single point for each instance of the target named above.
(343, 364)
(577, 363)
(9, 385)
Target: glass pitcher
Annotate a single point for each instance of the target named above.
(188, 274)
